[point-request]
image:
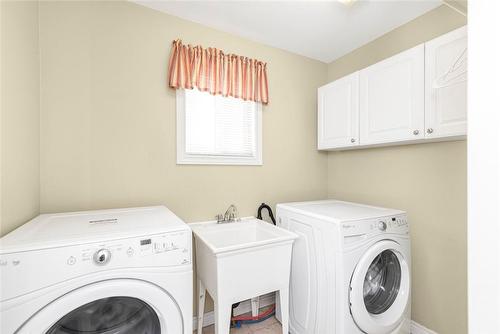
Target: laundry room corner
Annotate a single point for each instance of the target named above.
(426, 180)
(20, 114)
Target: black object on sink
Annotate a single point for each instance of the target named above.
(269, 211)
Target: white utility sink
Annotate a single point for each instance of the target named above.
(247, 233)
(238, 261)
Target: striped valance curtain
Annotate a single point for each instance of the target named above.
(210, 70)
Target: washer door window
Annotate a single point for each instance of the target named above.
(382, 282)
(124, 306)
(379, 290)
(124, 315)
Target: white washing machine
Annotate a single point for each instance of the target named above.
(350, 268)
(111, 271)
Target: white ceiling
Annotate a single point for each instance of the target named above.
(320, 30)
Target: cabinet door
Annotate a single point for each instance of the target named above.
(392, 99)
(446, 85)
(338, 113)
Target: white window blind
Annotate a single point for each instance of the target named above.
(217, 129)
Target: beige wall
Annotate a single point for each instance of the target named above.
(427, 180)
(108, 118)
(19, 119)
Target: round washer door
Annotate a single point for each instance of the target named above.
(380, 288)
(124, 306)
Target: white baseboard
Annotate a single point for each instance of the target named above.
(269, 299)
(416, 328)
(244, 307)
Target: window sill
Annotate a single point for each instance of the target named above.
(230, 161)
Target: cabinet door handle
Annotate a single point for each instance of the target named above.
(353, 140)
(430, 130)
(416, 132)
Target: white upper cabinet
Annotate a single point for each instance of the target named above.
(446, 85)
(392, 99)
(419, 95)
(338, 113)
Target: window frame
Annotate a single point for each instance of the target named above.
(184, 158)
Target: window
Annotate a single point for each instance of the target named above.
(213, 129)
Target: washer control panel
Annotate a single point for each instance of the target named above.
(391, 224)
(58, 264)
(160, 244)
(127, 251)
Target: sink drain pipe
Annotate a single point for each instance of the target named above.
(247, 319)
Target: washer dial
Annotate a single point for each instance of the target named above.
(102, 256)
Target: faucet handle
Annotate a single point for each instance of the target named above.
(219, 218)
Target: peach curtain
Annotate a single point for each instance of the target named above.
(213, 71)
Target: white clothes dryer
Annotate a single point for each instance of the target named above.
(110, 271)
(350, 268)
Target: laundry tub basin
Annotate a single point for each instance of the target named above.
(240, 260)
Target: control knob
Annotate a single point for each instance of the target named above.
(382, 226)
(102, 256)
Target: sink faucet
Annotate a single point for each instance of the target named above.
(231, 215)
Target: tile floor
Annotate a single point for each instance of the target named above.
(268, 326)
